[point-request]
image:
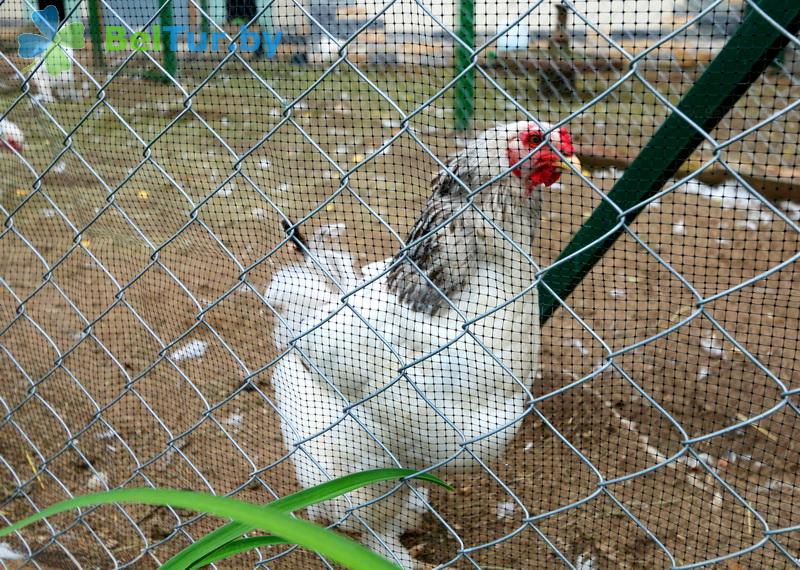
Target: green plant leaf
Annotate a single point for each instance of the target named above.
(237, 547)
(342, 485)
(330, 544)
(290, 503)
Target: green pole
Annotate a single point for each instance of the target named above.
(170, 61)
(750, 50)
(204, 26)
(778, 58)
(465, 87)
(96, 33)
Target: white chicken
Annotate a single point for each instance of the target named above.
(11, 136)
(428, 359)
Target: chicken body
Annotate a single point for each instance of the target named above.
(429, 358)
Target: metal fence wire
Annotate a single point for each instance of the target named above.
(248, 271)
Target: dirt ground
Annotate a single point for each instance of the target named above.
(89, 398)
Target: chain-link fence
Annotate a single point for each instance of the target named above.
(228, 270)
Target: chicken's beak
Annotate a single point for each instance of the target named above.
(570, 164)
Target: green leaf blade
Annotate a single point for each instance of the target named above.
(237, 547)
(330, 544)
(291, 503)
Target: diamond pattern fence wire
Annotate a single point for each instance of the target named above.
(226, 275)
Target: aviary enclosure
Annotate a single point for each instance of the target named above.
(546, 251)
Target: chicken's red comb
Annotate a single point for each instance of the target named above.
(565, 146)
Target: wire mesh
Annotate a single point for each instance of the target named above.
(231, 276)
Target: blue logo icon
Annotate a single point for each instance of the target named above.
(49, 45)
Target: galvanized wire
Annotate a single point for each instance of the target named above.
(37, 470)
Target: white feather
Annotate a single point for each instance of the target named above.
(7, 553)
(338, 446)
(297, 292)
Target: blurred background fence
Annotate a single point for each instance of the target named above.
(142, 221)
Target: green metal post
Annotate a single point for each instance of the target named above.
(744, 58)
(96, 33)
(465, 87)
(781, 54)
(170, 61)
(204, 25)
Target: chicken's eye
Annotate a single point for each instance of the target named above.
(531, 139)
